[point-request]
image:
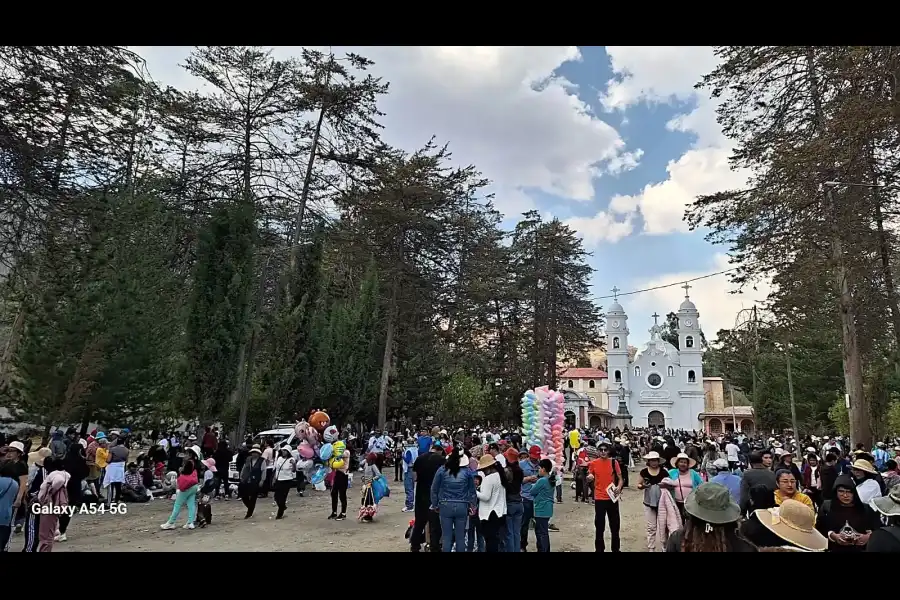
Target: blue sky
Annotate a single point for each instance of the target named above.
(612, 140)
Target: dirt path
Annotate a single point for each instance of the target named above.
(306, 528)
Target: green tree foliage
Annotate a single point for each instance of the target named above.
(253, 249)
(216, 326)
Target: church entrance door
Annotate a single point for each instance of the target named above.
(656, 419)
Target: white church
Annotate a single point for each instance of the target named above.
(662, 386)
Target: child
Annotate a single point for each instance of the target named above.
(204, 509)
(580, 475)
(542, 492)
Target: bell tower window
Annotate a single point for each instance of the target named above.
(616, 343)
(689, 341)
(637, 371)
(618, 376)
(692, 377)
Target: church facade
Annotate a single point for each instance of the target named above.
(662, 386)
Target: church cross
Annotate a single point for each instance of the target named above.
(615, 292)
(686, 287)
(655, 317)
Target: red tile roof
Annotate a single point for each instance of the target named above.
(582, 373)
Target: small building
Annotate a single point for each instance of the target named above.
(587, 400)
(720, 417)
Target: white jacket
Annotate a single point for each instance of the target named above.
(491, 497)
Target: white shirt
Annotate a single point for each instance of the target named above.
(491, 497)
(868, 490)
(164, 444)
(501, 459)
(284, 469)
(732, 451)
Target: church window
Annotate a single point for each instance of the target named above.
(715, 426)
(689, 341)
(591, 384)
(571, 385)
(654, 380)
(637, 371)
(671, 371)
(652, 364)
(692, 378)
(615, 342)
(618, 376)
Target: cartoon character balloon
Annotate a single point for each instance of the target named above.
(338, 448)
(319, 420)
(330, 434)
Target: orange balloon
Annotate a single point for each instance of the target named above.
(320, 421)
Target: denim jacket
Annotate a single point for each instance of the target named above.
(447, 488)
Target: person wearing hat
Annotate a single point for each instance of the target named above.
(685, 479)
(886, 539)
(13, 467)
(491, 494)
(711, 522)
(651, 476)
(252, 475)
(864, 475)
(605, 472)
(792, 522)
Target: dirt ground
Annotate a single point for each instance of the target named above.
(305, 527)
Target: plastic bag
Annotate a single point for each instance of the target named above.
(380, 489)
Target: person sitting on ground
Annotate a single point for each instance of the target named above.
(133, 489)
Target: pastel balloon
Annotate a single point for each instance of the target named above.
(330, 434)
(326, 451)
(305, 450)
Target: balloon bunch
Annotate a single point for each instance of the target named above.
(543, 420)
(317, 460)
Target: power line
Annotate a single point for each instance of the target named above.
(668, 285)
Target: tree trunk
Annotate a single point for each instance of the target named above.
(247, 357)
(860, 428)
(387, 360)
(888, 276)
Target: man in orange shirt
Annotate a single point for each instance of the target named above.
(604, 472)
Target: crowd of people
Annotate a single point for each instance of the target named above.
(474, 489)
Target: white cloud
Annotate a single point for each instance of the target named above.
(500, 108)
(662, 74)
(718, 308)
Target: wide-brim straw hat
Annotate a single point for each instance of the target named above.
(654, 455)
(793, 522)
(863, 465)
(256, 449)
(712, 502)
(486, 461)
(675, 459)
(888, 505)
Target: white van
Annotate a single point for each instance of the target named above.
(282, 435)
